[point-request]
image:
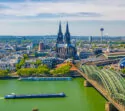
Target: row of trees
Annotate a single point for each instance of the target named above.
(43, 70)
(40, 71)
(63, 70)
(3, 73)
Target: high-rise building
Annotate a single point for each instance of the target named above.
(41, 46)
(90, 39)
(90, 42)
(64, 48)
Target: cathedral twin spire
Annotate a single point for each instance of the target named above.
(60, 35)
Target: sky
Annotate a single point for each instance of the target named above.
(42, 17)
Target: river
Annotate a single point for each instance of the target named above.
(79, 98)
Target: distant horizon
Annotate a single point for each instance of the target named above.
(54, 36)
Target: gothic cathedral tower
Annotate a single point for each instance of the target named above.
(67, 35)
(60, 35)
(64, 49)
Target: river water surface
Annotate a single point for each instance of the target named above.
(79, 98)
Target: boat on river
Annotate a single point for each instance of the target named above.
(14, 96)
(45, 78)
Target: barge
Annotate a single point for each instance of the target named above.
(14, 96)
(45, 78)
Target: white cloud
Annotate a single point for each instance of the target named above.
(110, 9)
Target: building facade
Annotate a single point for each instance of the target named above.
(64, 48)
(41, 47)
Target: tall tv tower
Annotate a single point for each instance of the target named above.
(101, 29)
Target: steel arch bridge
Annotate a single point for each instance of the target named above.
(111, 81)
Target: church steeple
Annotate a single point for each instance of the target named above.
(67, 28)
(67, 35)
(60, 34)
(60, 28)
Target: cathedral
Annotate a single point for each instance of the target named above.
(64, 48)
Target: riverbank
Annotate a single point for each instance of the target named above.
(11, 76)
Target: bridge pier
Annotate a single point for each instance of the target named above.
(110, 107)
(87, 84)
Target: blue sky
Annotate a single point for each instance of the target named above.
(41, 17)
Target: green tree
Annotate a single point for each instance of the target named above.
(63, 70)
(26, 71)
(123, 71)
(41, 70)
(38, 62)
(25, 56)
(3, 73)
(100, 67)
(20, 64)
